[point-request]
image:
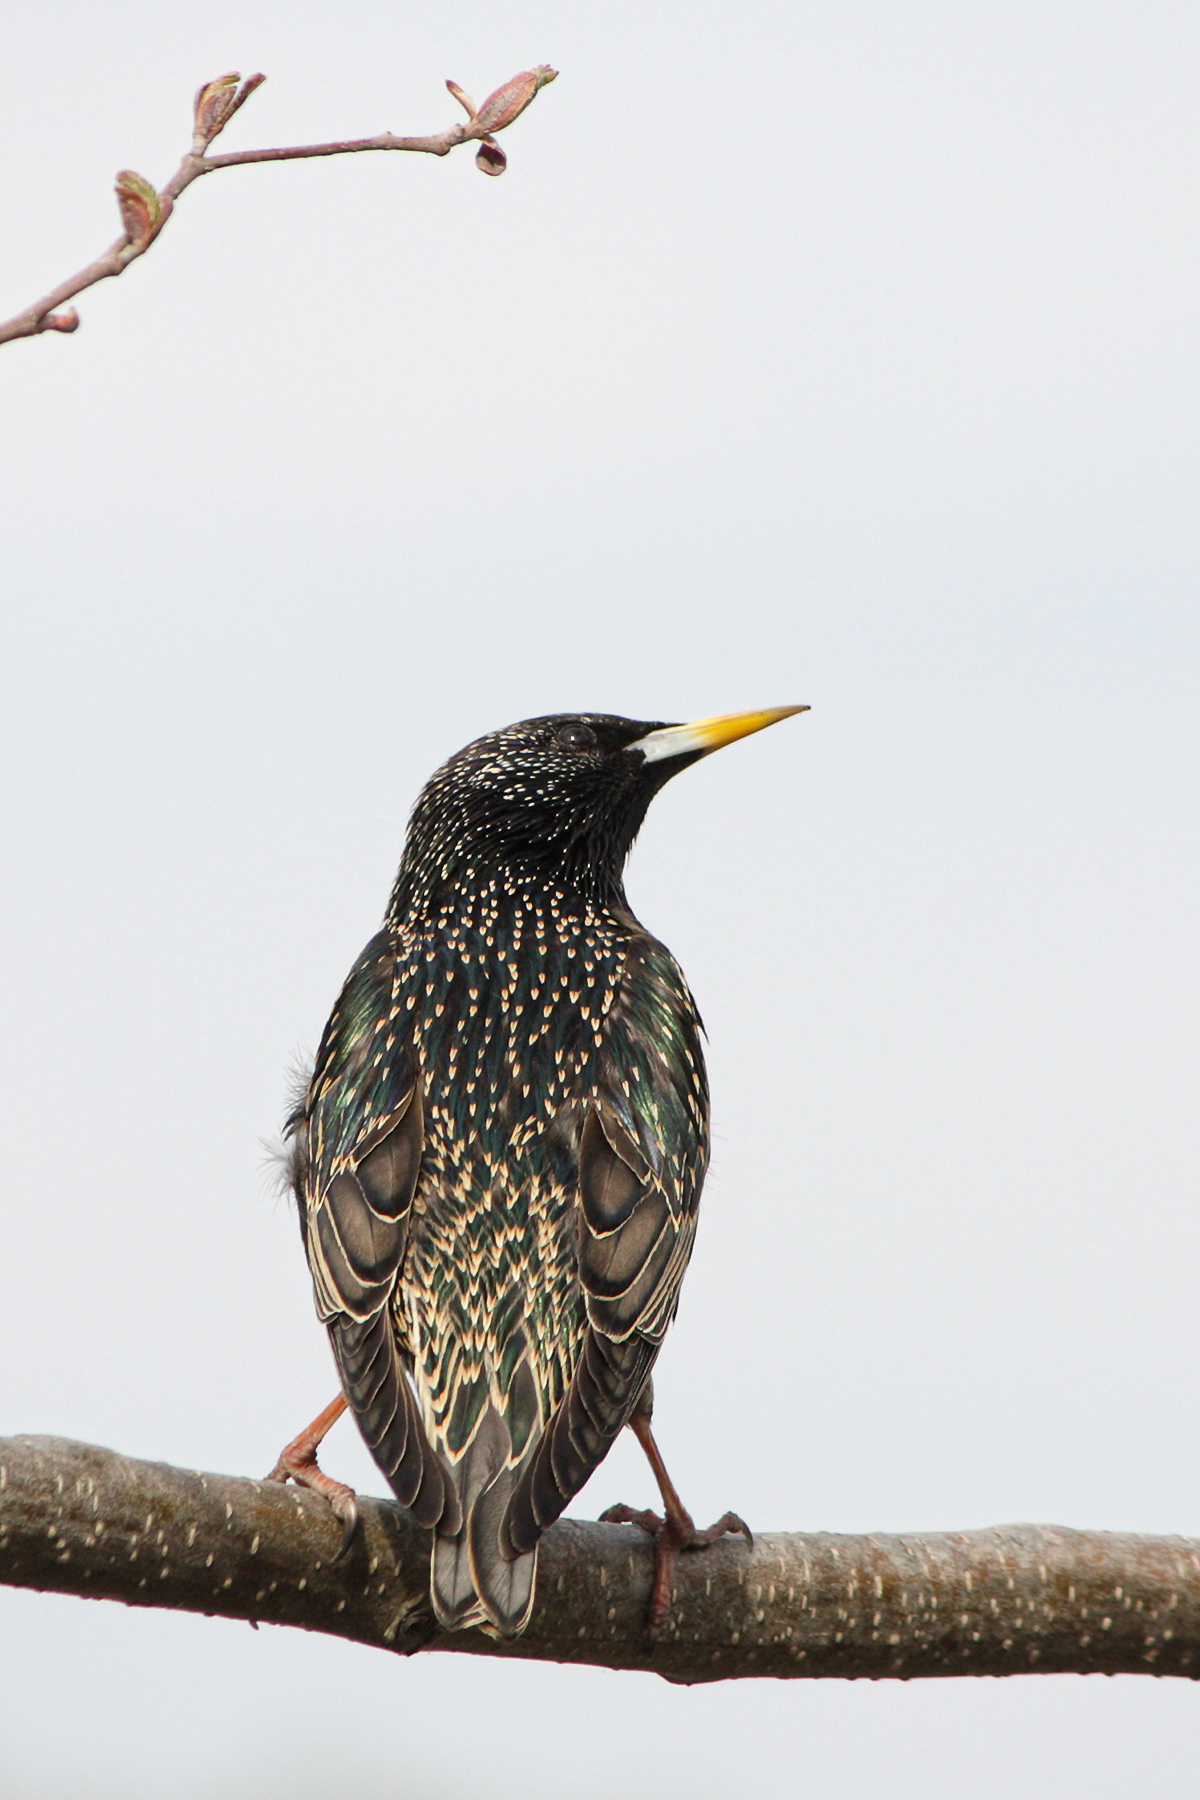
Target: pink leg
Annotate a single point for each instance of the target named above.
(672, 1533)
(298, 1463)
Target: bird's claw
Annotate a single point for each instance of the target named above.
(298, 1463)
(729, 1524)
(630, 1515)
(672, 1535)
(347, 1512)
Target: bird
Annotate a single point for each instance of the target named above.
(498, 1159)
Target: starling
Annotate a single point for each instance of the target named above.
(499, 1156)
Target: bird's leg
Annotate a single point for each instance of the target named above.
(675, 1530)
(298, 1463)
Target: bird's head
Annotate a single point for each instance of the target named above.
(557, 800)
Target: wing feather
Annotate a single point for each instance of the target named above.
(640, 1175)
(357, 1173)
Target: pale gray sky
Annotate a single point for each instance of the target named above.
(841, 353)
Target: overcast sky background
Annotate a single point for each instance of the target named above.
(840, 353)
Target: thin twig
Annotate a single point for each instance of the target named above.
(1013, 1600)
(145, 210)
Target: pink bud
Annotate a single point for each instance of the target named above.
(464, 100)
(509, 101)
(214, 103)
(141, 208)
(490, 158)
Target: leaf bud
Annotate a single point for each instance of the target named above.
(141, 207)
(214, 102)
(464, 100)
(490, 158)
(509, 101)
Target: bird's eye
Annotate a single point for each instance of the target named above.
(575, 737)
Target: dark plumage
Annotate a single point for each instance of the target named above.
(499, 1158)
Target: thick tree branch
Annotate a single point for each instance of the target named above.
(75, 1519)
(145, 210)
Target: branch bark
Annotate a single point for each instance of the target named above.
(77, 1519)
(145, 210)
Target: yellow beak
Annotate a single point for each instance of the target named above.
(705, 735)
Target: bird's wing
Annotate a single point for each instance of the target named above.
(360, 1155)
(642, 1157)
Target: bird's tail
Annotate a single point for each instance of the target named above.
(473, 1582)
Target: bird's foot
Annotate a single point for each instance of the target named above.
(672, 1534)
(302, 1468)
(298, 1462)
